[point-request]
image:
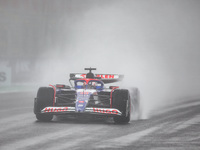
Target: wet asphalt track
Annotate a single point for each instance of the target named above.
(177, 128)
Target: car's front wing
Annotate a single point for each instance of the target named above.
(89, 110)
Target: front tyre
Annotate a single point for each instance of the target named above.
(45, 97)
(44, 117)
(121, 101)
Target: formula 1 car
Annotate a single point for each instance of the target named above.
(86, 95)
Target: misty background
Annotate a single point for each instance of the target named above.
(154, 43)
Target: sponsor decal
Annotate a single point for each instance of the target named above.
(105, 76)
(55, 109)
(85, 93)
(72, 109)
(80, 105)
(60, 86)
(106, 111)
(102, 76)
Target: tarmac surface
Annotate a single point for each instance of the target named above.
(174, 128)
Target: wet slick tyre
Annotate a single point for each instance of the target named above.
(45, 96)
(121, 101)
(44, 117)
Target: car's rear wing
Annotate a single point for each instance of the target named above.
(106, 78)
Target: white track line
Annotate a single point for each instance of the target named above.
(15, 118)
(15, 91)
(185, 124)
(126, 140)
(17, 122)
(49, 137)
(72, 144)
(16, 109)
(176, 106)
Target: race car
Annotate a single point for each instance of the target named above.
(87, 95)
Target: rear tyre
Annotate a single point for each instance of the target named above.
(121, 101)
(44, 99)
